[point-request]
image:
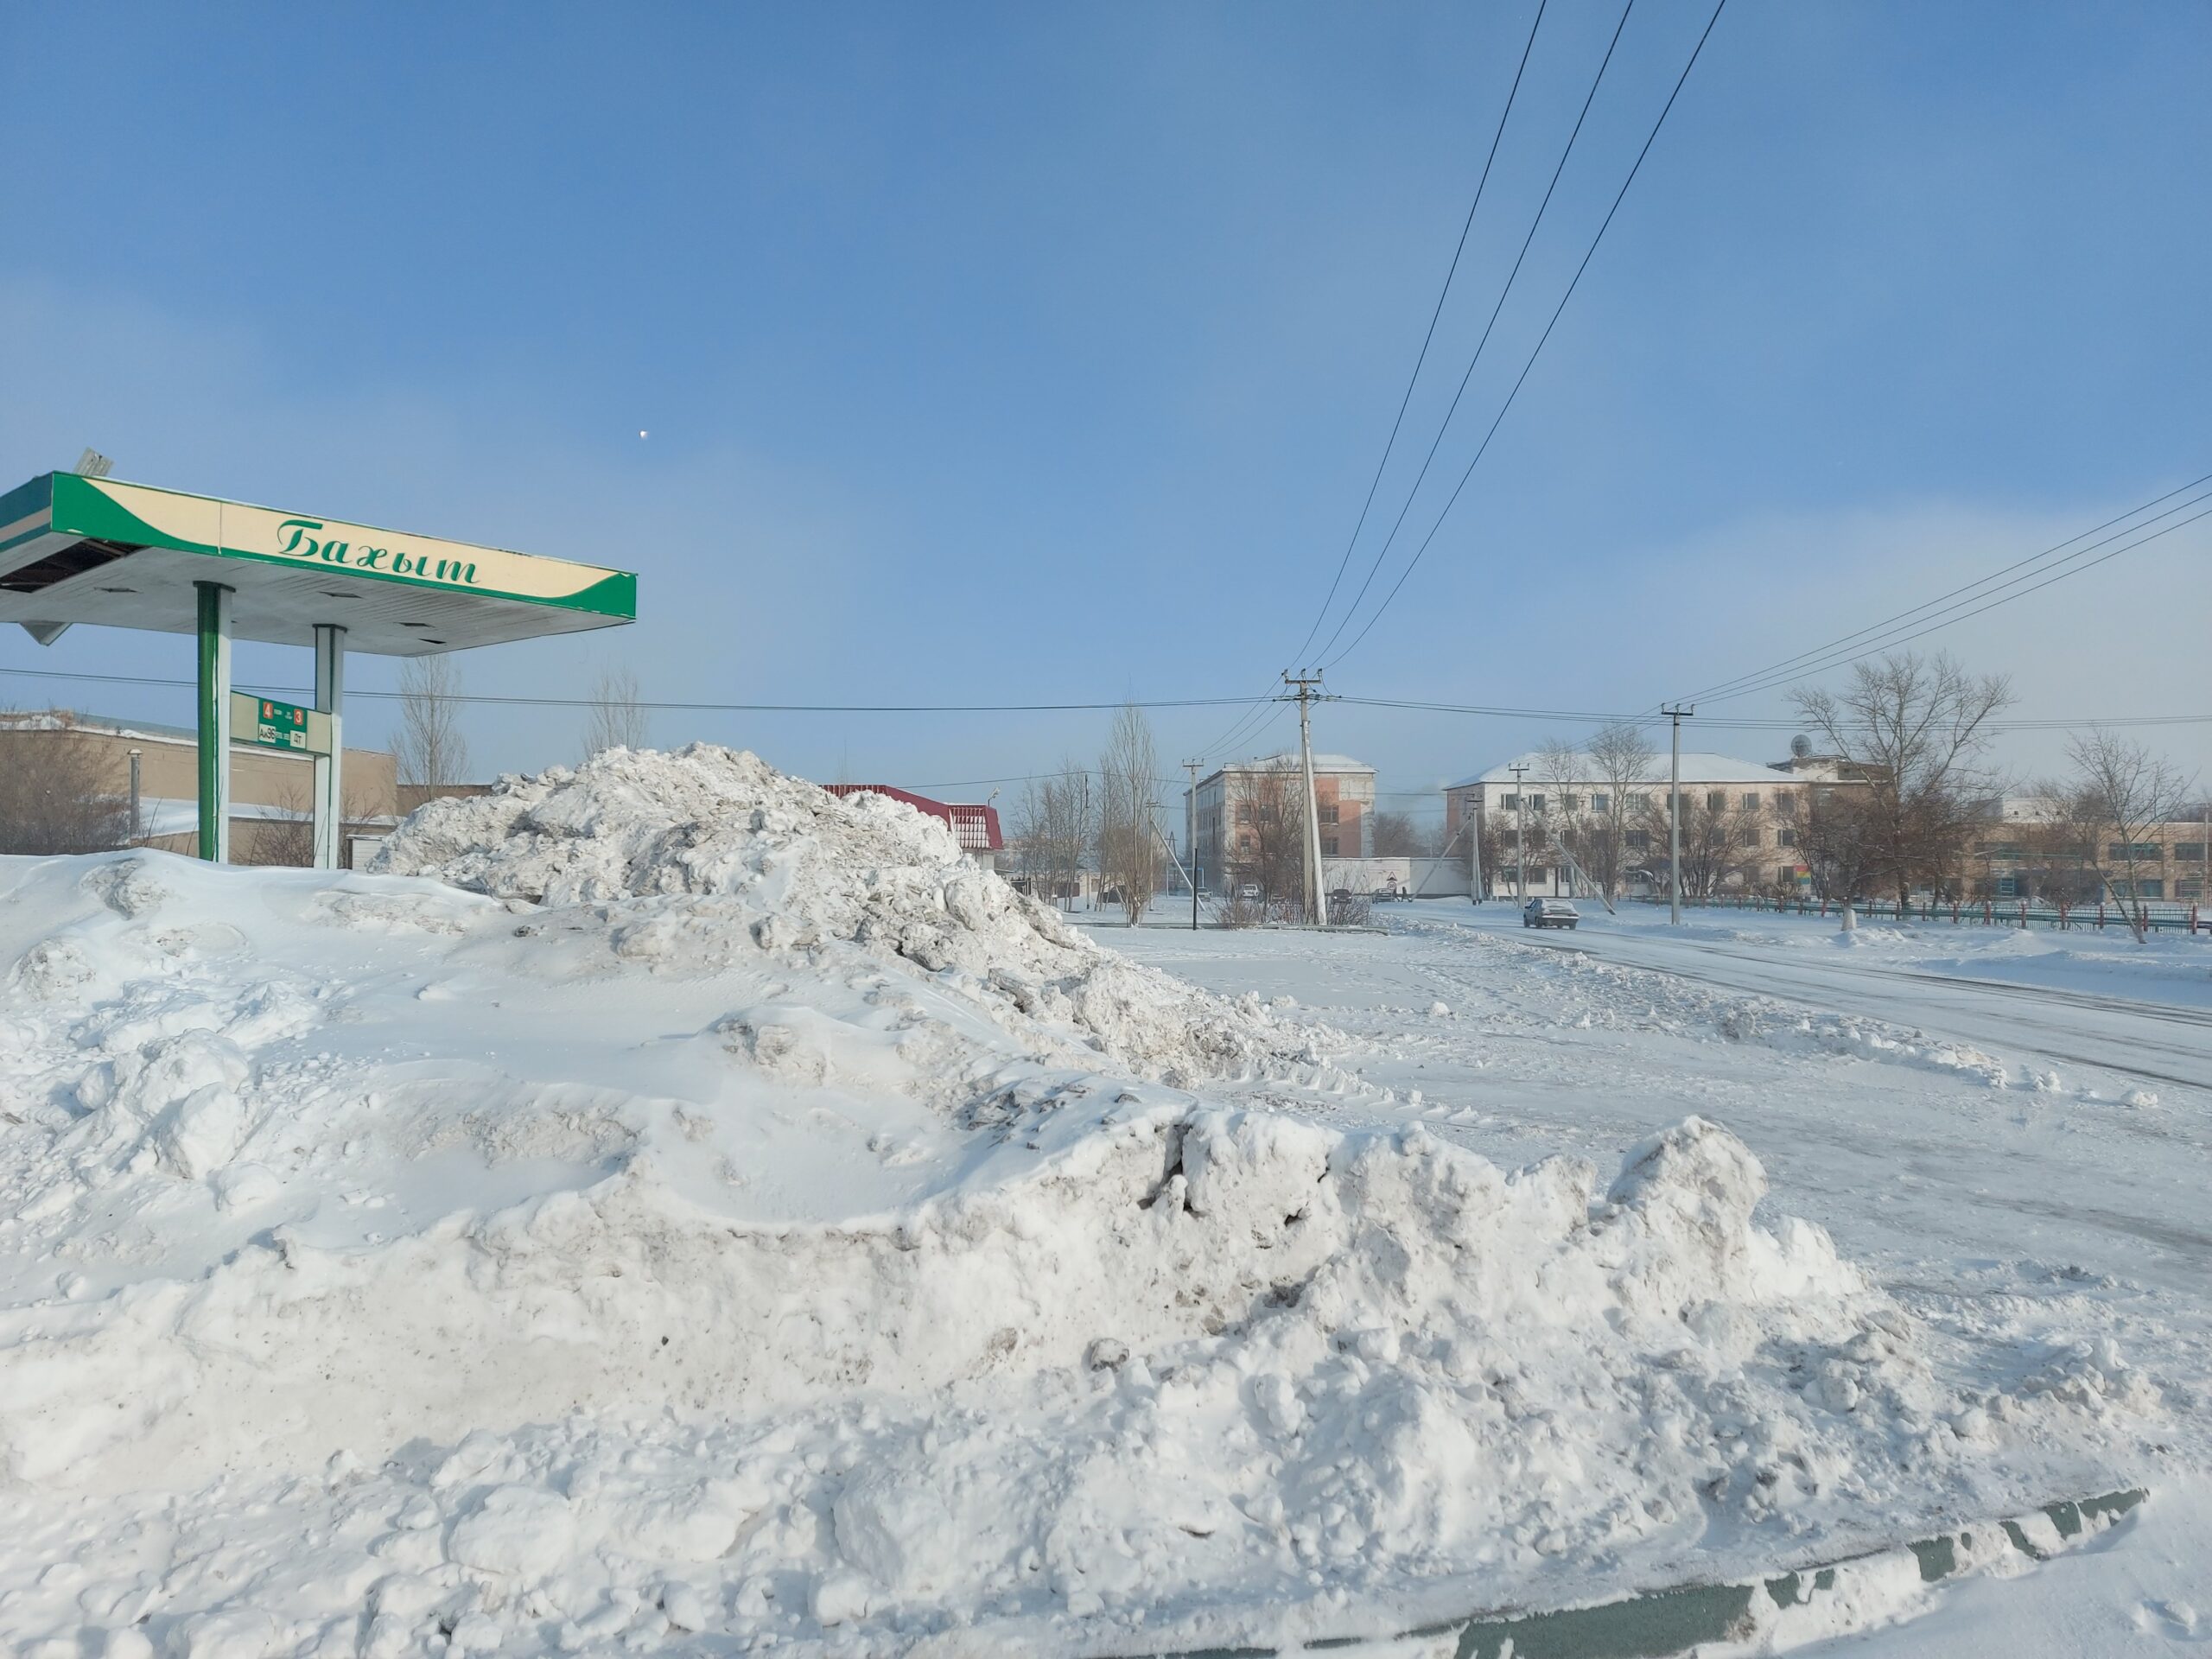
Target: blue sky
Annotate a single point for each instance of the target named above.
(1040, 353)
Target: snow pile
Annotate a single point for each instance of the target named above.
(743, 1219)
(738, 849)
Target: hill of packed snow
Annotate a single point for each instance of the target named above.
(669, 1198)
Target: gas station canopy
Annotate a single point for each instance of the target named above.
(93, 550)
(79, 548)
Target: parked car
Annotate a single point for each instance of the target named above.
(1549, 913)
(1249, 891)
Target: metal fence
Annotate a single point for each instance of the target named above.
(2168, 916)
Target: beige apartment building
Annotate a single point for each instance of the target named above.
(1239, 808)
(271, 792)
(1766, 806)
(2032, 848)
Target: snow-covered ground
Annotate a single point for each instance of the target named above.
(2012, 1133)
(676, 1207)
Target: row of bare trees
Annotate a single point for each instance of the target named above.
(1112, 810)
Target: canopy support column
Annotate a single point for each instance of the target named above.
(214, 599)
(329, 796)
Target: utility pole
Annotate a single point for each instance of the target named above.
(1675, 712)
(135, 818)
(1304, 694)
(1191, 837)
(1473, 827)
(1520, 833)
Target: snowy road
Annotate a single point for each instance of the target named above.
(2158, 1043)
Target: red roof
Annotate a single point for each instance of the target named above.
(976, 825)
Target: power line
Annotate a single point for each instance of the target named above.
(1344, 563)
(1577, 716)
(1893, 639)
(680, 708)
(1790, 666)
(1503, 295)
(1695, 52)
(1747, 723)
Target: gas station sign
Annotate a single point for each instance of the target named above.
(266, 723)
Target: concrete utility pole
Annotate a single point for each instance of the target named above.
(1191, 837)
(1473, 827)
(1675, 812)
(1520, 833)
(1304, 694)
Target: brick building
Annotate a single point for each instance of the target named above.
(1236, 812)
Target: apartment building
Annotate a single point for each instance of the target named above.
(2029, 847)
(1247, 814)
(1763, 807)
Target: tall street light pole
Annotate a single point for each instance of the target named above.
(1675, 712)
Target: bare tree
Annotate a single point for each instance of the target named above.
(53, 798)
(1720, 840)
(1915, 729)
(1621, 762)
(1397, 835)
(1053, 828)
(430, 747)
(2130, 795)
(1267, 846)
(617, 719)
(1128, 842)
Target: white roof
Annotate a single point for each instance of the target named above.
(1699, 766)
(1289, 758)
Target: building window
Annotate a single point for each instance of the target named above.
(1639, 840)
(1328, 846)
(1243, 811)
(1751, 800)
(2189, 852)
(1512, 803)
(1535, 803)
(1328, 811)
(2140, 851)
(2151, 889)
(1570, 802)
(2008, 886)
(1785, 837)
(1716, 800)
(2002, 849)
(1601, 804)
(2192, 888)
(1751, 835)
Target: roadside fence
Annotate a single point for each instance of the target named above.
(1978, 912)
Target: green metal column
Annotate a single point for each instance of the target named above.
(214, 720)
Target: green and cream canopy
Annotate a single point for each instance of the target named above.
(94, 550)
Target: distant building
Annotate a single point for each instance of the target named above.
(1238, 810)
(1769, 802)
(975, 823)
(2033, 847)
(272, 791)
